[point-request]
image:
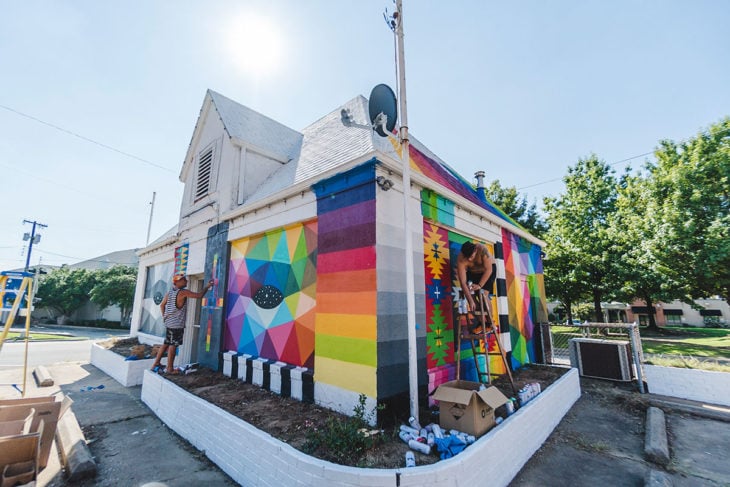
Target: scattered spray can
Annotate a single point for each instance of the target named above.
(410, 459)
(419, 447)
(437, 432)
(414, 423)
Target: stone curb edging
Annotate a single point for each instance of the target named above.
(42, 376)
(656, 446)
(75, 453)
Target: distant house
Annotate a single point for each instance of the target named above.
(90, 311)
(705, 312)
(303, 233)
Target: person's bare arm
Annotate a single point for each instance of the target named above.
(186, 293)
(461, 274)
(163, 304)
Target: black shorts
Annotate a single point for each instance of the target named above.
(476, 277)
(174, 336)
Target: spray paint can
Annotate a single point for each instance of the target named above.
(430, 439)
(410, 459)
(419, 447)
(437, 432)
(510, 406)
(414, 424)
(406, 437)
(411, 431)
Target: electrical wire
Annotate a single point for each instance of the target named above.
(561, 178)
(87, 139)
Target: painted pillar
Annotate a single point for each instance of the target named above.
(212, 313)
(346, 320)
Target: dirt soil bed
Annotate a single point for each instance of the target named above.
(294, 422)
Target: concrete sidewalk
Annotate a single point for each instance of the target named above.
(130, 446)
(595, 444)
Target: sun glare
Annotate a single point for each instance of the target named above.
(255, 44)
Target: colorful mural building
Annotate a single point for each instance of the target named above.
(303, 234)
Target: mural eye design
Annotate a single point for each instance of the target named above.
(268, 297)
(157, 298)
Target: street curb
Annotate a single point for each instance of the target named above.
(656, 446)
(669, 405)
(75, 453)
(655, 478)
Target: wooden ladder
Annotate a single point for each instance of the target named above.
(481, 335)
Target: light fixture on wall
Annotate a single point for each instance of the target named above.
(384, 183)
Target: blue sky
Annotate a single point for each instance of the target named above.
(521, 90)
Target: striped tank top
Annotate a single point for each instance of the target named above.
(174, 316)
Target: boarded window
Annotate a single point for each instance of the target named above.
(202, 180)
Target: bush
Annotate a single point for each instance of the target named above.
(344, 441)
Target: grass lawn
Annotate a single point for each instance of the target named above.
(697, 342)
(15, 337)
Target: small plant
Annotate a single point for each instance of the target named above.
(344, 441)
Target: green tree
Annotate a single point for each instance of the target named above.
(579, 230)
(66, 290)
(690, 186)
(633, 230)
(516, 206)
(563, 279)
(115, 286)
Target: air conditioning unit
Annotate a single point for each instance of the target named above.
(603, 359)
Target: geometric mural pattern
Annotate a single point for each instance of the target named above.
(439, 302)
(525, 293)
(272, 295)
(156, 286)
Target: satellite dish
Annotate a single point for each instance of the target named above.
(383, 109)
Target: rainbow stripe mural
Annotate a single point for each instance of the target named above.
(272, 295)
(346, 322)
(526, 294)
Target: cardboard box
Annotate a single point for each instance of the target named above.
(47, 409)
(463, 407)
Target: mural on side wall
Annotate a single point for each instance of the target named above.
(159, 281)
(181, 258)
(441, 248)
(526, 295)
(212, 300)
(272, 295)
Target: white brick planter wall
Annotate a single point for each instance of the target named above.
(126, 372)
(254, 458)
(698, 385)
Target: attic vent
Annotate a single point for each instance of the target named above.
(202, 184)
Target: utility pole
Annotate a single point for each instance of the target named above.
(152, 209)
(33, 239)
(408, 237)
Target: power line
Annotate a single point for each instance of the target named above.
(87, 139)
(611, 164)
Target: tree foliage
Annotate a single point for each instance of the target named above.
(690, 189)
(115, 286)
(516, 206)
(579, 232)
(66, 290)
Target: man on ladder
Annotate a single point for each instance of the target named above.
(477, 271)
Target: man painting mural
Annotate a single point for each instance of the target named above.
(476, 269)
(174, 309)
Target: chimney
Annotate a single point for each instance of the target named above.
(481, 189)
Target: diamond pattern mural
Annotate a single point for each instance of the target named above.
(272, 295)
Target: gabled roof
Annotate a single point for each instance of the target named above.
(120, 257)
(253, 128)
(327, 144)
